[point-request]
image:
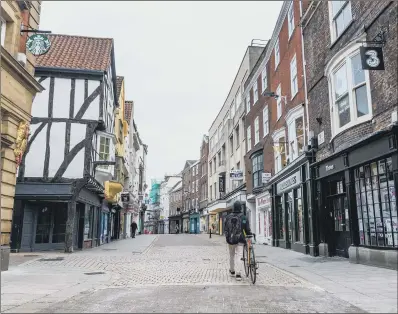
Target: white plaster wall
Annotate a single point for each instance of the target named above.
(75, 168)
(79, 95)
(40, 102)
(61, 101)
(92, 112)
(57, 146)
(77, 134)
(34, 162)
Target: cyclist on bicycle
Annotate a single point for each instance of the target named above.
(235, 223)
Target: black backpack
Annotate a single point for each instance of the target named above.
(233, 228)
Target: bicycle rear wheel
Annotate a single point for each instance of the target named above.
(253, 266)
(246, 261)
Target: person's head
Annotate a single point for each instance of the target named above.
(237, 207)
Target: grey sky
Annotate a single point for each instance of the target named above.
(179, 60)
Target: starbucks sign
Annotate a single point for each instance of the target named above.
(38, 44)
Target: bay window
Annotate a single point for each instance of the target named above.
(295, 123)
(293, 77)
(279, 140)
(257, 169)
(249, 138)
(255, 93)
(340, 17)
(256, 131)
(104, 150)
(265, 121)
(349, 91)
(3, 25)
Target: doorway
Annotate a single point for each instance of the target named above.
(338, 218)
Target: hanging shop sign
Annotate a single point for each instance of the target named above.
(236, 174)
(126, 197)
(372, 58)
(38, 44)
(221, 184)
(266, 176)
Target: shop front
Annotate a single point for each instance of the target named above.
(264, 212)
(194, 219)
(104, 223)
(355, 195)
(185, 222)
(175, 222)
(290, 205)
(204, 221)
(216, 210)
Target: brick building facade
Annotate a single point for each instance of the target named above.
(203, 184)
(190, 188)
(353, 129)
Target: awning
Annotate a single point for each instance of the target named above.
(218, 207)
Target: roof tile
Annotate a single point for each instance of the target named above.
(119, 81)
(77, 52)
(128, 108)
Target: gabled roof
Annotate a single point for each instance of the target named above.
(77, 52)
(189, 163)
(119, 82)
(128, 108)
(176, 187)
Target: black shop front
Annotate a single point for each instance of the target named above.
(355, 200)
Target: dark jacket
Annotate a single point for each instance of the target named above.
(134, 225)
(237, 210)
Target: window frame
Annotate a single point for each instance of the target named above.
(264, 79)
(248, 105)
(256, 130)
(333, 17)
(276, 136)
(265, 121)
(277, 53)
(342, 58)
(255, 92)
(279, 102)
(249, 138)
(290, 19)
(3, 34)
(290, 118)
(259, 158)
(293, 76)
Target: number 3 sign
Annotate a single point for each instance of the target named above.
(372, 58)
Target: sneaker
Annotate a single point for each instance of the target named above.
(238, 277)
(232, 273)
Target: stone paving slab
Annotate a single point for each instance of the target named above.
(204, 299)
(371, 288)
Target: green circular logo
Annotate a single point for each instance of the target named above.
(38, 44)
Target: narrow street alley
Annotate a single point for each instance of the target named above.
(176, 273)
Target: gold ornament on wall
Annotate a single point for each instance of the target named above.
(21, 141)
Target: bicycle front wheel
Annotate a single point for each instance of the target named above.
(253, 266)
(246, 261)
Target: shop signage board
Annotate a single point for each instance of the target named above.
(289, 183)
(125, 197)
(321, 138)
(266, 176)
(38, 44)
(263, 201)
(372, 58)
(236, 174)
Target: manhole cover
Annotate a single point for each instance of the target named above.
(294, 266)
(109, 249)
(260, 256)
(206, 259)
(31, 255)
(95, 273)
(56, 259)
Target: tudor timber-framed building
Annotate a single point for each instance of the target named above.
(68, 166)
(18, 88)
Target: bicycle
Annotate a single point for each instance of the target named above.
(249, 258)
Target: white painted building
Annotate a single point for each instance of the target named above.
(226, 146)
(165, 187)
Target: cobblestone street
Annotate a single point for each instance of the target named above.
(165, 273)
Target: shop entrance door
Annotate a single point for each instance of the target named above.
(339, 214)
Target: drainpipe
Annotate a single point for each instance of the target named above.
(304, 73)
